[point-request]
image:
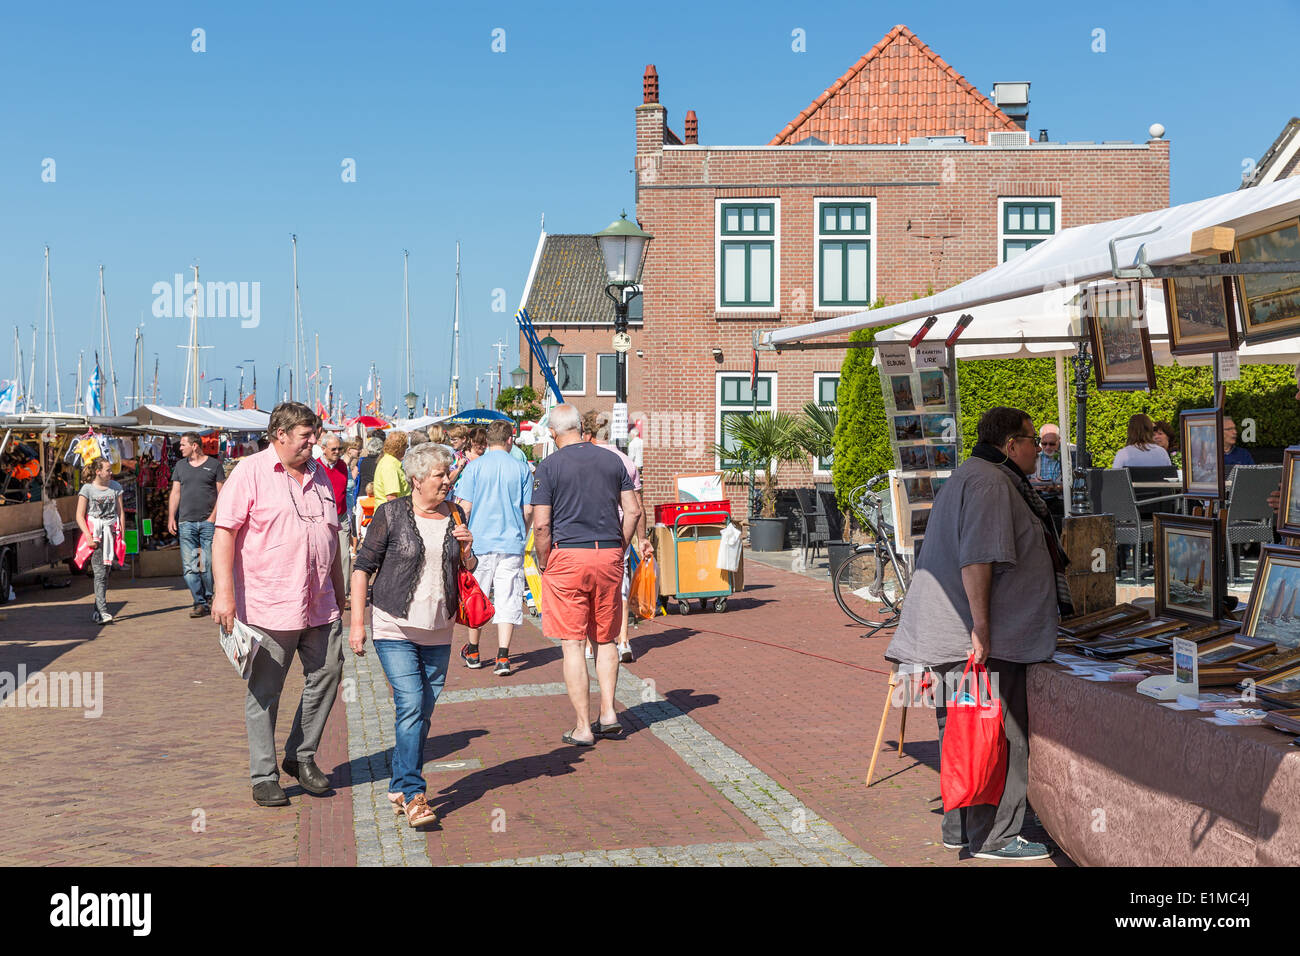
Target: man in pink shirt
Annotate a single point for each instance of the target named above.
(275, 568)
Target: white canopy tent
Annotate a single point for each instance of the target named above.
(176, 416)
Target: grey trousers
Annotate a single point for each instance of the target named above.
(345, 556)
(100, 570)
(321, 651)
(986, 827)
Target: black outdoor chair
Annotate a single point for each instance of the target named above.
(1113, 494)
(1249, 518)
(814, 532)
(834, 520)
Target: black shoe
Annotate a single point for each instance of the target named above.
(469, 654)
(503, 665)
(309, 775)
(269, 794)
(198, 610)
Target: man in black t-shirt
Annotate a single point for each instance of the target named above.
(191, 510)
(581, 540)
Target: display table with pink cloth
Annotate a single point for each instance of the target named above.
(1119, 780)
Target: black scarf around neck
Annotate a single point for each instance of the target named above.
(991, 454)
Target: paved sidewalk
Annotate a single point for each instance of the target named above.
(748, 739)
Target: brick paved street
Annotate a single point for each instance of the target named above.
(748, 743)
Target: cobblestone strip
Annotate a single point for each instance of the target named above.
(383, 839)
(762, 853)
(505, 692)
(786, 822)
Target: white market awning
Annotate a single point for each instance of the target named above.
(234, 420)
(1073, 256)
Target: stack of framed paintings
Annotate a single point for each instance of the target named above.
(922, 418)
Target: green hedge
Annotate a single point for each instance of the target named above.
(1265, 394)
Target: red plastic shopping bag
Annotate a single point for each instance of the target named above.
(973, 764)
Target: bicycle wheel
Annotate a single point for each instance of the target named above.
(858, 593)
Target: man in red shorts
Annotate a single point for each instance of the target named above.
(577, 493)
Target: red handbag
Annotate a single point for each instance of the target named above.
(973, 763)
(475, 609)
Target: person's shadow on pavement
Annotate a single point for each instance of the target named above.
(467, 790)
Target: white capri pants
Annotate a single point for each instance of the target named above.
(501, 576)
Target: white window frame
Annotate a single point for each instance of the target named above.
(775, 202)
(567, 355)
(614, 356)
(818, 378)
(817, 250)
(717, 405)
(1002, 218)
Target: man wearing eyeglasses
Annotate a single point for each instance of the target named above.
(1046, 478)
(275, 568)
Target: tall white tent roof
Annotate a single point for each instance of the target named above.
(1076, 255)
(250, 420)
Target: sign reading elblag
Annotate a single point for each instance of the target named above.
(895, 359)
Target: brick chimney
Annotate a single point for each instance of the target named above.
(692, 128)
(650, 85)
(650, 119)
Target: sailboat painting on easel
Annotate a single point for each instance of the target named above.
(1188, 567)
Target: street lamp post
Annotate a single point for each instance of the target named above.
(410, 398)
(551, 348)
(622, 245)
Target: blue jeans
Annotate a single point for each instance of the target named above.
(416, 673)
(196, 536)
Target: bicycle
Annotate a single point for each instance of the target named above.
(873, 576)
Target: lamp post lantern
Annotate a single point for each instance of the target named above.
(410, 398)
(519, 376)
(622, 246)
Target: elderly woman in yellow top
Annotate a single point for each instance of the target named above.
(415, 546)
(390, 482)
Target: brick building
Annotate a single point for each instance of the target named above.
(565, 298)
(900, 178)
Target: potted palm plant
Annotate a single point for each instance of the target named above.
(764, 440)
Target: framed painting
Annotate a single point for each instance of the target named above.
(1169, 627)
(1270, 302)
(1232, 649)
(1199, 312)
(1111, 618)
(1121, 343)
(918, 489)
(1274, 610)
(934, 388)
(1280, 687)
(907, 428)
(1202, 446)
(1289, 512)
(1189, 578)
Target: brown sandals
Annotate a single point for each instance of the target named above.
(418, 812)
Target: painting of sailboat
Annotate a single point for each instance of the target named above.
(1275, 598)
(1188, 577)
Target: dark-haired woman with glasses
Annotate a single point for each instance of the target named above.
(275, 569)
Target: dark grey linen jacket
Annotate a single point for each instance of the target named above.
(394, 548)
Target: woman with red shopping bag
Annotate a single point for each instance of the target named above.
(984, 603)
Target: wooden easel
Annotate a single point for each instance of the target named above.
(884, 716)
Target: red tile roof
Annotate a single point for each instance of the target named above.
(899, 89)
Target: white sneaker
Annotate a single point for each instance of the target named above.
(625, 653)
(105, 618)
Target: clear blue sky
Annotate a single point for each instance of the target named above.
(165, 157)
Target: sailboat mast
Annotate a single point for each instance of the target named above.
(155, 379)
(45, 371)
(76, 401)
(406, 313)
(297, 345)
(31, 377)
(455, 342)
(106, 337)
